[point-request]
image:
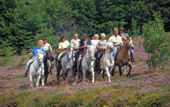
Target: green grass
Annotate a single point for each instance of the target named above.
(113, 95)
(18, 76)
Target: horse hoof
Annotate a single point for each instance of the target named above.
(127, 75)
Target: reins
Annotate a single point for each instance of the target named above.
(34, 65)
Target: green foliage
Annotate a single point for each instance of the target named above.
(135, 30)
(101, 96)
(155, 100)
(156, 42)
(21, 62)
(24, 22)
(4, 61)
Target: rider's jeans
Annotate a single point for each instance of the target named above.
(27, 65)
(115, 51)
(78, 62)
(131, 52)
(74, 53)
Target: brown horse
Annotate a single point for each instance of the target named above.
(123, 57)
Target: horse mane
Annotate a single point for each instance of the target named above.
(40, 52)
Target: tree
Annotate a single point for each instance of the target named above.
(156, 42)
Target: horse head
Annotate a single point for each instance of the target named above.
(40, 57)
(91, 51)
(128, 43)
(110, 46)
(69, 51)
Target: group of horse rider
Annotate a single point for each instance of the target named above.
(80, 46)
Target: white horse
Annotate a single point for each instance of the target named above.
(67, 63)
(37, 69)
(131, 43)
(88, 62)
(107, 60)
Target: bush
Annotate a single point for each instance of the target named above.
(156, 42)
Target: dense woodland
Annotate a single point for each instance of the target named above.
(24, 22)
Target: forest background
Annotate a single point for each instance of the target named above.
(24, 22)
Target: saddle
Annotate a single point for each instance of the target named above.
(101, 55)
(30, 65)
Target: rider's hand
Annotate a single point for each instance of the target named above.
(114, 42)
(85, 46)
(121, 44)
(104, 48)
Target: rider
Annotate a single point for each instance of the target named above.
(83, 47)
(75, 43)
(34, 52)
(122, 34)
(95, 40)
(101, 46)
(62, 46)
(117, 41)
(92, 37)
(47, 48)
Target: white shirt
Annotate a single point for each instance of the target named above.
(117, 39)
(75, 43)
(94, 42)
(47, 47)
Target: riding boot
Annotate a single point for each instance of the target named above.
(25, 75)
(133, 59)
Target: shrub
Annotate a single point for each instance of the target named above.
(4, 61)
(156, 42)
(21, 63)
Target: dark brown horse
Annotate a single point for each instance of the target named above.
(47, 64)
(123, 57)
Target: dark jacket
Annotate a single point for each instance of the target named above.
(82, 44)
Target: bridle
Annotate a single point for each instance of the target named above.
(87, 59)
(109, 52)
(67, 53)
(38, 63)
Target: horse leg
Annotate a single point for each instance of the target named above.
(38, 80)
(45, 80)
(130, 67)
(64, 76)
(31, 81)
(108, 74)
(73, 75)
(92, 71)
(42, 80)
(120, 72)
(103, 73)
(84, 74)
(58, 74)
(124, 69)
(81, 75)
(112, 72)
